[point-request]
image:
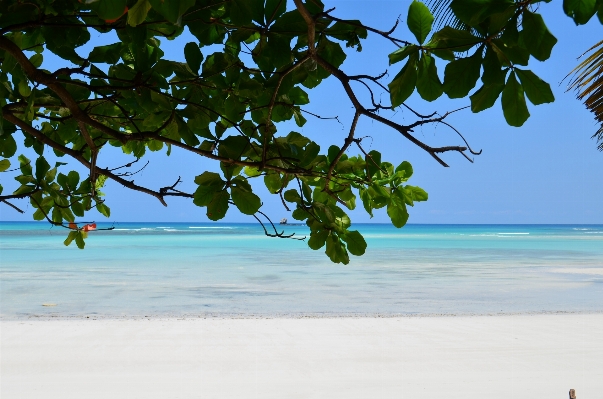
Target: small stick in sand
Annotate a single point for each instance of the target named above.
(572, 394)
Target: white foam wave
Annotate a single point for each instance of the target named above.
(598, 271)
(513, 233)
(209, 227)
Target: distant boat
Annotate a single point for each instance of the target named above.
(283, 221)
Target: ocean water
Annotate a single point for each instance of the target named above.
(192, 269)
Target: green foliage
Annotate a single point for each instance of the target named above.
(247, 68)
(419, 20)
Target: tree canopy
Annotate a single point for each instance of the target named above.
(249, 68)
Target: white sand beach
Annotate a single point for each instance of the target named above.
(494, 357)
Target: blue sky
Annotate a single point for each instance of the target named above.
(547, 171)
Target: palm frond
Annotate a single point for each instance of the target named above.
(588, 82)
(443, 15)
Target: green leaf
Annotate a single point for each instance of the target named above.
(138, 13)
(536, 36)
(78, 209)
(274, 9)
(70, 237)
(396, 210)
(273, 182)
(581, 11)
(355, 242)
(8, 145)
(247, 202)
(472, 12)
(405, 167)
(218, 206)
(455, 39)
(537, 90)
(109, 54)
(109, 10)
(193, 56)
(103, 209)
(172, 10)
(74, 178)
(492, 69)
(404, 83)
(428, 83)
(79, 239)
(485, 97)
(209, 184)
(514, 105)
(4, 165)
(317, 239)
(507, 55)
(42, 166)
(336, 251)
(419, 20)
(461, 75)
(242, 12)
(37, 60)
(331, 52)
(402, 53)
(414, 194)
(292, 196)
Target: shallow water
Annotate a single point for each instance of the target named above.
(177, 269)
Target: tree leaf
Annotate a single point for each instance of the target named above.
(336, 251)
(103, 209)
(274, 9)
(514, 103)
(396, 210)
(537, 90)
(536, 36)
(318, 239)
(172, 10)
(209, 184)
(428, 82)
(415, 193)
(402, 53)
(404, 83)
(79, 239)
(218, 206)
(247, 202)
(193, 56)
(485, 97)
(138, 13)
(273, 182)
(461, 75)
(472, 12)
(492, 68)
(42, 166)
(355, 242)
(419, 20)
(70, 237)
(405, 167)
(109, 54)
(581, 11)
(292, 196)
(455, 39)
(4, 165)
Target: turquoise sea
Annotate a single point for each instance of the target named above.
(197, 269)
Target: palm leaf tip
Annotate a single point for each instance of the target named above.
(587, 81)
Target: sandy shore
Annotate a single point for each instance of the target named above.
(506, 357)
